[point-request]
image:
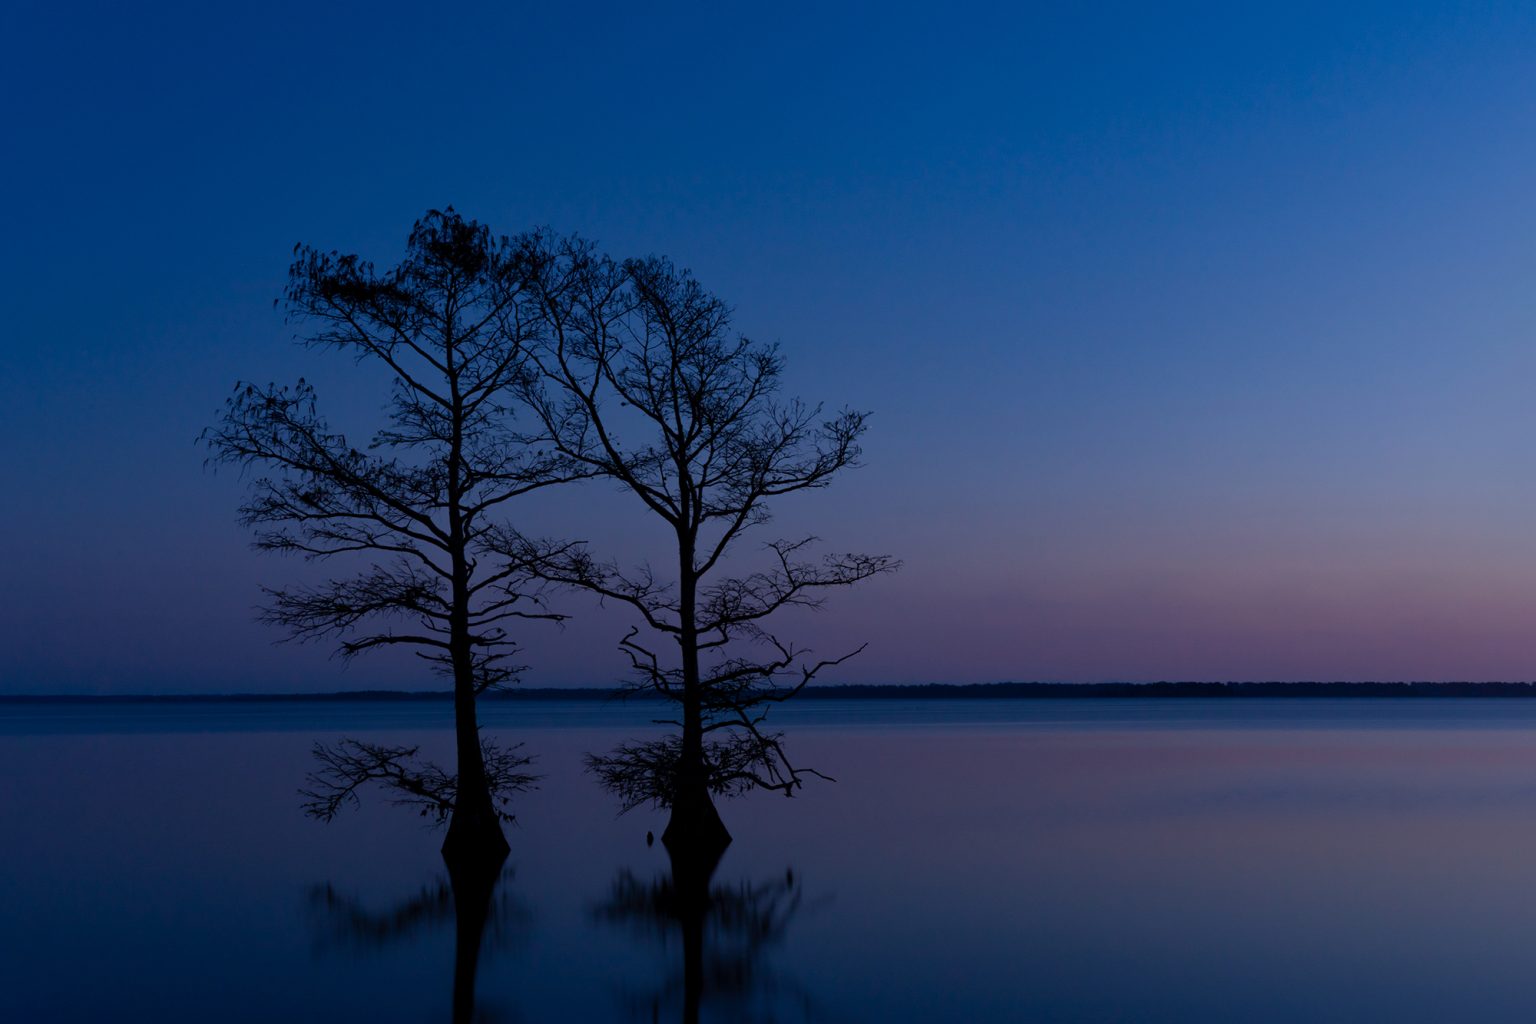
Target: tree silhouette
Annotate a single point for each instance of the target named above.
(643, 382)
(413, 508)
(413, 782)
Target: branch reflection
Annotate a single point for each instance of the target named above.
(726, 932)
(473, 897)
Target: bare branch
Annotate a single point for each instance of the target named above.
(641, 379)
(410, 781)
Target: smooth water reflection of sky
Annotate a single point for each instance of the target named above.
(1346, 861)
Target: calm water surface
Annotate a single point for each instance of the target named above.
(1180, 860)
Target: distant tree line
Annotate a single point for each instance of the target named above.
(875, 691)
(516, 364)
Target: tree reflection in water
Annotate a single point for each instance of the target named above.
(468, 897)
(725, 931)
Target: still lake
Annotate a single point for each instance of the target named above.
(977, 860)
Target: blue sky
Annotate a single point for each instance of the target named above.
(1198, 337)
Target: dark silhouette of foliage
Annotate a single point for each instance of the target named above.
(415, 505)
(642, 382)
(349, 765)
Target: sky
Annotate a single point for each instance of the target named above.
(1197, 338)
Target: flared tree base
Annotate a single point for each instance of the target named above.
(475, 840)
(695, 829)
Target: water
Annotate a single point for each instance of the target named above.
(1177, 860)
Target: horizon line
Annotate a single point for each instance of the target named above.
(1022, 689)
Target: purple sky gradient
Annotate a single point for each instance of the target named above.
(1199, 345)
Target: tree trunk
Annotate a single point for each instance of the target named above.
(694, 822)
(474, 830)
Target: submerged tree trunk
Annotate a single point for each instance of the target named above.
(694, 823)
(474, 830)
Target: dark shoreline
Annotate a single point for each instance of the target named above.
(929, 691)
